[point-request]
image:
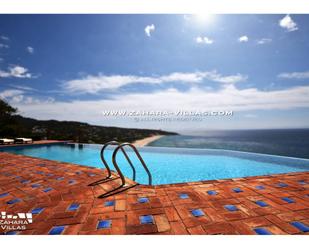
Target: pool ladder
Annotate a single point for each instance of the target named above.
(114, 160)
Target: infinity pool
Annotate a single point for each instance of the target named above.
(171, 165)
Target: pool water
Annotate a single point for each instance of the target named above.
(171, 165)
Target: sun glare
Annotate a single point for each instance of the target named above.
(204, 18)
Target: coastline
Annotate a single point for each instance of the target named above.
(145, 141)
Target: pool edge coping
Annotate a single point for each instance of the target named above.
(168, 184)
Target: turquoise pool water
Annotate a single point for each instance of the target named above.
(172, 165)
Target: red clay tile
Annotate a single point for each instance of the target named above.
(171, 214)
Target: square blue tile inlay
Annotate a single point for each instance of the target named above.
(47, 190)
(109, 203)
(35, 185)
(261, 203)
(288, 200)
(4, 195)
(197, 212)
(302, 182)
(146, 219)
(73, 207)
(300, 226)
(212, 192)
(25, 181)
(11, 233)
(231, 208)
(37, 210)
(104, 224)
(237, 190)
(72, 181)
(59, 178)
(282, 185)
(183, 196)
(13, 201)
(56, 230)
(143, 200)
(262, 231)
(260, 187)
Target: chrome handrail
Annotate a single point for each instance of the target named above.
(139, 157)
(117, 168)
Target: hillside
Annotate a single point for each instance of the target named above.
(12, 125)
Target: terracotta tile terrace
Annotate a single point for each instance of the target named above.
(67, 199)
(35, 142)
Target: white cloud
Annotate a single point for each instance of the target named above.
(25, 88)
(226, 98)
(4, 45)
(182, 77)
(4, 74)
(10, 93)
(288, 23)
(264, 41)
(94, 84)
(295, 75)
(228, 79)
(5, 38)
(19, 72)
(204, 40)
(19, 97)
(243, 38)
(149, 29)
(15, 72)
(36, 101)
(30, 50)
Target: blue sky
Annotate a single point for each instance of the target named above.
(73, 67)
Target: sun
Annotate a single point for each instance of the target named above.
(204, 18)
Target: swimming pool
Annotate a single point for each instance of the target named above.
(171, 165)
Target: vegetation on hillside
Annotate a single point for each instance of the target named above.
(13, 125)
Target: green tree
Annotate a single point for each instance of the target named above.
(6, 109)
(7, 122)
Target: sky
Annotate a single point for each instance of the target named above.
(78, 67)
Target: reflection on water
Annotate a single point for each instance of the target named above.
(285, 142)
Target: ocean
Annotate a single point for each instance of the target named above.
(284, 142)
